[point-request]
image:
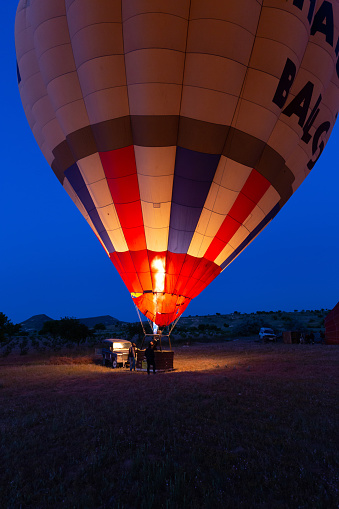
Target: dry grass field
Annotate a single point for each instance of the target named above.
(237, 425)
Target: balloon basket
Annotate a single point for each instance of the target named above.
(163, 360)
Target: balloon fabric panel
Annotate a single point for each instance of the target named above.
(178, 128)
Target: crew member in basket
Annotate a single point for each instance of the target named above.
(150, 357)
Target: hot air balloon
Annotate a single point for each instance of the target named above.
(179, 128)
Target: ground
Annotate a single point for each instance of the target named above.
(237, 424)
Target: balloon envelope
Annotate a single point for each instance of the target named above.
(179, 128)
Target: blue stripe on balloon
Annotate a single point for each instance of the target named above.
(251, 236)
(193, 176)
(77, 182)
(18, 73)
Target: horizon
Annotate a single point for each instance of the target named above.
(183, 316)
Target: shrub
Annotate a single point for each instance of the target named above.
(6, 351)
(248, 328)
(99, 326)
(66, 330)
(7, 328)
(24, 347)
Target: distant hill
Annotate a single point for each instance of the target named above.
(248, 324)
(229, 325)
(107, 320)
(36, 322)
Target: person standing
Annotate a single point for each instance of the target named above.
(150, 357)
(132, 354)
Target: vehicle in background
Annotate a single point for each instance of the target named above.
(266, 334)
(115, 352)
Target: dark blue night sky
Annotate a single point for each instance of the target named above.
(52, 263)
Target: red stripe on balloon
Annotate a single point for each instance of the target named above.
(253, 190)
(117, 264)
(122, 179)
(174, 263)
(142, 268)
(255, 186)
(131, 275)
(118, 163)
(212, 273)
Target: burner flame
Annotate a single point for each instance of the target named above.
(158, 268)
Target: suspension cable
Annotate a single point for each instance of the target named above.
(174, 324)
(142, 325)
(151, 323)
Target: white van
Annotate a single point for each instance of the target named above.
(115, 352)
(266, 334)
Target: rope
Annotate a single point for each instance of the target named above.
(142, 325)
(151, 323)
(173, 325)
